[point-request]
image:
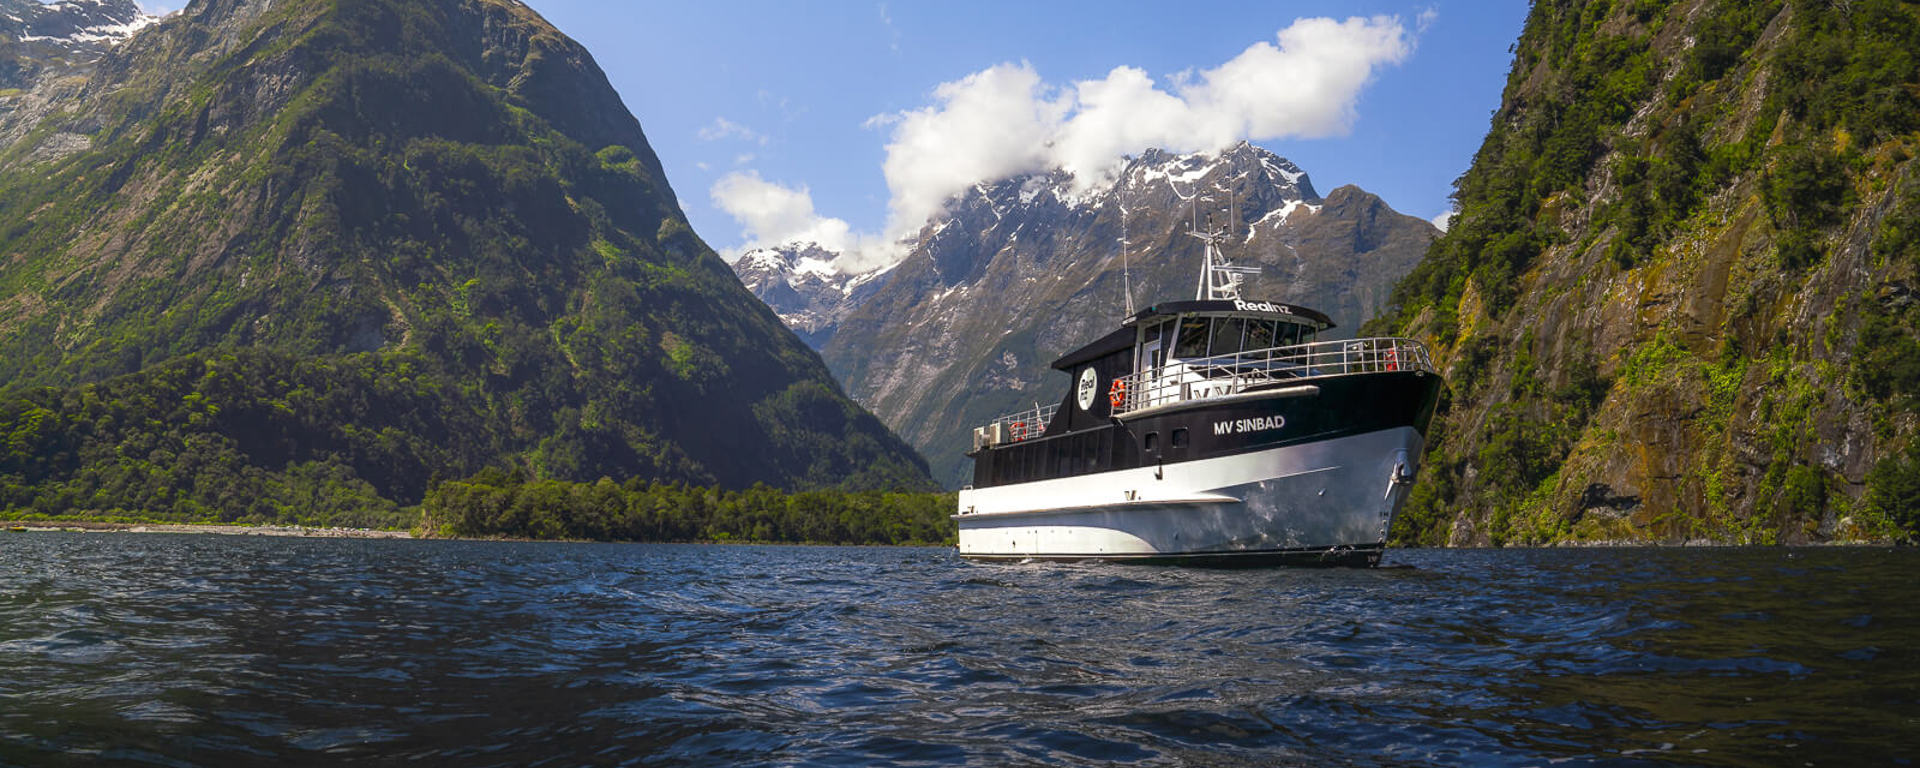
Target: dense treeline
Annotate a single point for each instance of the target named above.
(246, 436)
(255, 436)
(494, 504)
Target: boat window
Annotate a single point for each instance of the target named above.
(1152, 442)
(1259, 334)
(1226, 335)
(1180, 437)
(1193, 338)
(1290, 334)
(1306, 334)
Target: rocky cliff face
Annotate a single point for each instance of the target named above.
(61, 38)
(444, 198)
(1019, 271)
(47, 51)
(1677, 303)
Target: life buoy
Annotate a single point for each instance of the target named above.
(1117, 394)
(1393, 358)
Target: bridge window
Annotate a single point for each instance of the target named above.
(1193, 338)
(1260, 334)
(1226, 335)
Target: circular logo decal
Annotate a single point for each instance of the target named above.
(1088, 388)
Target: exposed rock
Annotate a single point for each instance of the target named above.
(1018, 271)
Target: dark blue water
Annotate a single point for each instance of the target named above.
(213, 650)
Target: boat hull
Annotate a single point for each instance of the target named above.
(1324, 502)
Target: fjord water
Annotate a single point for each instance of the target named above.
(222, 650)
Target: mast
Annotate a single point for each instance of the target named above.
(1126, 271)
(1219, 279)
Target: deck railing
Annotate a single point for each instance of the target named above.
(1015, 427)
(1204, 378)
(1219, 376)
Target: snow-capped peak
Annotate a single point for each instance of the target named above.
(75, 23)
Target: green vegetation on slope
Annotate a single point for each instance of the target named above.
(348, 248)
(1677, 301)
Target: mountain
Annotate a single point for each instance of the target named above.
(61, 38)
(47, 51)
(274, 253)
(801, 284)
(1677, 304)
(1019, 271)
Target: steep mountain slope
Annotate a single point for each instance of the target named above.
(431, 220)
(1019, 271)
(1677, 303)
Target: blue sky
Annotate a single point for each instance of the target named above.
(788, 92)
(789, 108)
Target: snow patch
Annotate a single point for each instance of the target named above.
(866, 277)
(809, 265)
(1273, 169)
(1280, 215)
(96, 33)
(764, 258)
(1033, 188)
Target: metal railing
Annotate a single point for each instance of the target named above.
(1015, 427)
(1224, 375)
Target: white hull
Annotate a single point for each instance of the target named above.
(1330, 495)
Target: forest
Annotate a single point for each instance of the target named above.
(494, 504)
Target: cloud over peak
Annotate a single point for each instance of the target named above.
(1006, 120)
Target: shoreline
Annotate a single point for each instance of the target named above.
(318, 532)
(224, 529)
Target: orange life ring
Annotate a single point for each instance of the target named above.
(1117, 394)
(1393, 358)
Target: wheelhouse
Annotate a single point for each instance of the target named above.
(1182, 331)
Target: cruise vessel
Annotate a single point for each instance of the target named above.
(1218, 431)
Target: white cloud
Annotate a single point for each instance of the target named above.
(1443, 220)
(989, 125)
(771, 214)
(1426, 19)
(1006, 120)
(722, 128)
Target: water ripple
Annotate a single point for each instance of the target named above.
(184, 650)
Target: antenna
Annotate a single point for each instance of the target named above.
(1126, 271)
(1219, 279)
(1233, 207)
